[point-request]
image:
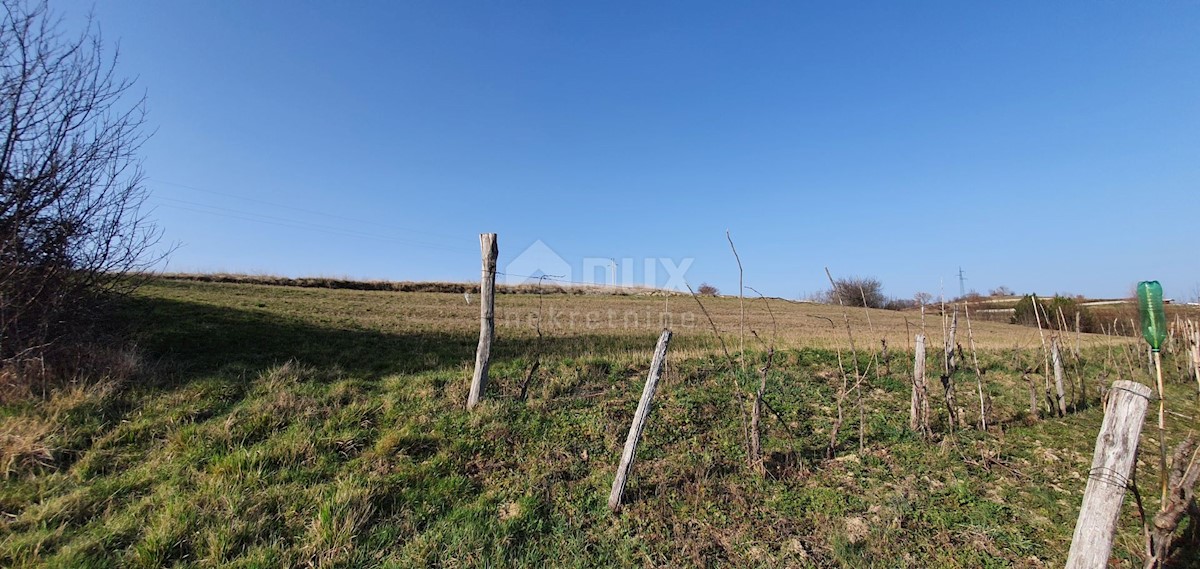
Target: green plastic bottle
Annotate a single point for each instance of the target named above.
(1154, 318)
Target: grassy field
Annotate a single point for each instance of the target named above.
(265, 426)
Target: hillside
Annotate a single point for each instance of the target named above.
(260, 425)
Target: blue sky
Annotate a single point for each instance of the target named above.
(1042, 146)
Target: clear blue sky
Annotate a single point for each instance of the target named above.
(1046, 146)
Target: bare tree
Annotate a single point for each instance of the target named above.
(72, 230)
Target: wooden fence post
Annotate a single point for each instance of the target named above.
(1112, 463)
(912, 403)
(1194, 351)
(639, 422)
(918, 419)
(487, 317)
(1056, 356)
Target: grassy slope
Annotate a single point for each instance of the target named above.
(284, 426)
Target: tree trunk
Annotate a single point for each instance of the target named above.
(1185, 471)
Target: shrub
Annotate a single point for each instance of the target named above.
(1048, 312)
(1024, 313)
(857, 291)
(707, 290)
(899, 304)
(1070, 307)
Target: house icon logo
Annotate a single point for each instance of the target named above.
(537, 260)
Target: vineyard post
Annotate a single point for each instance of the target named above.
(639, 422)
(487, 317)
(1112, 463)
(1056, 356)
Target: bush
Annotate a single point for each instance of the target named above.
(1024, 313)
(707, 290)
(900, 304)
(1048, 312)
(857, 291)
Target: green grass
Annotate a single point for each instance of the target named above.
(276, 426)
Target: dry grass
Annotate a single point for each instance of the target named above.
(800, 324)
(29, 443)
(24, 445)
(61, 370)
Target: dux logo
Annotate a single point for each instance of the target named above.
(539, 260)
(536, 261)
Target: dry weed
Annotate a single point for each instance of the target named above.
(24, 445)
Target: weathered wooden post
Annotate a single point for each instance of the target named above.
(1056, 356)
(1194, 340)
(1034, 414)
(487, 317)
(1112, 463)
(918, 419)
(639, 422)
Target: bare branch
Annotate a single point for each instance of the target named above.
(73, 232)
